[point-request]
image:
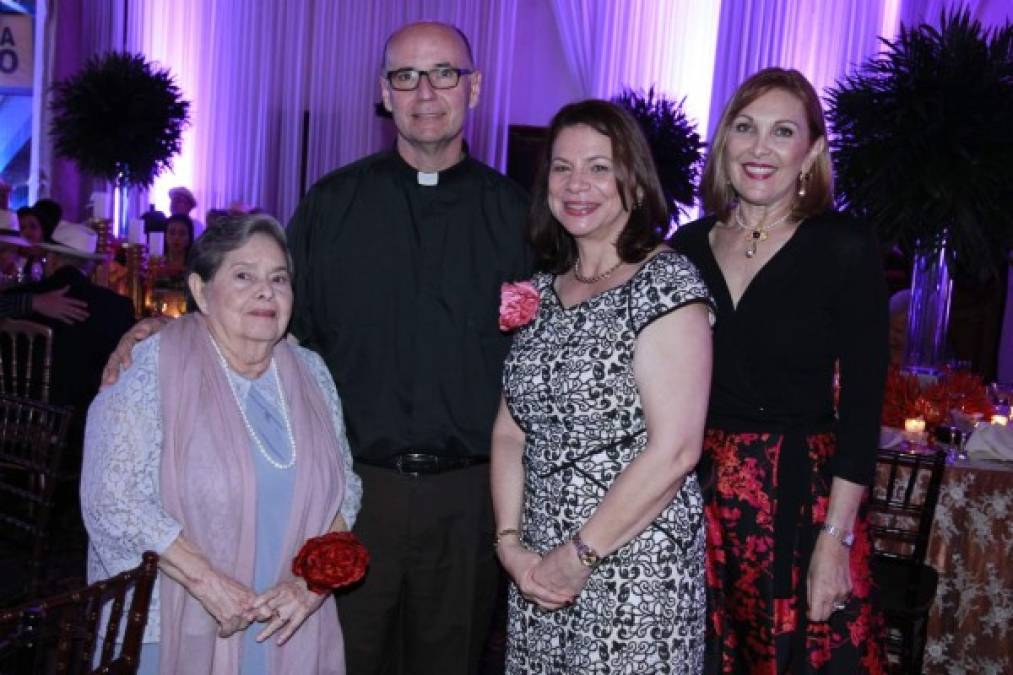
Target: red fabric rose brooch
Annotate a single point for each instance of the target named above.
(518, 305)
(331, 561)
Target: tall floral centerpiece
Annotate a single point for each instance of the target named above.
(675, 144)
(119, 118)
(922, 145)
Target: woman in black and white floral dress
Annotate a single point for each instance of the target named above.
(605, 395)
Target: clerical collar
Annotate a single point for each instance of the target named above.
(432, 178)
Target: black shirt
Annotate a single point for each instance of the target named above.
(80, 350)
(820, 299)
(397, 287)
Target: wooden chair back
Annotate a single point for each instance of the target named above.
(26, 359)
(61, 633)
(32, 440)
(902, 502)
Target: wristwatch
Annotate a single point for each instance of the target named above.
(846, 537)
(588, 556)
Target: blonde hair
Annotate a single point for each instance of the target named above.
(716, 191)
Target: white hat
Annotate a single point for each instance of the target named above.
(13, 237)
(75, 240)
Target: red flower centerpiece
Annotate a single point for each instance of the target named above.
(518, 305)
(331, 561)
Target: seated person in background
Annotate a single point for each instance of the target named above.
(81, 349)
(30, 226)
(11, 260)
(178, 238)
(15, 303)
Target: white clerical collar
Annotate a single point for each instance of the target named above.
(430, 179)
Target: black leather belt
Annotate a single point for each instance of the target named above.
(422, 463)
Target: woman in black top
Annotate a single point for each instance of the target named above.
(799, 290)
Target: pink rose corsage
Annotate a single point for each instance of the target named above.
(518, 305)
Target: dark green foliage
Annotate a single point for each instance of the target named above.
(924, 142)
(119, 113)
(675, 145)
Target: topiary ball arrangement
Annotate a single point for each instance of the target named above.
(675, 144)
(119, 115)
(923, 144)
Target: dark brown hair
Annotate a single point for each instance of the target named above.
(716, 191)
(637, 180)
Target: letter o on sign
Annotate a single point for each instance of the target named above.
(8, 61)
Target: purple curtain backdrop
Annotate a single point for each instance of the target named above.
(252, 68)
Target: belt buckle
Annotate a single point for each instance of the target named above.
(419, 461)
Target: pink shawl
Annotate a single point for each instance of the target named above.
(208, 485)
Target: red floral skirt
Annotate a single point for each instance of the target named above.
(749, 629)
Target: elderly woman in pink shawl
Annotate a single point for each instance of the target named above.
(223, 450)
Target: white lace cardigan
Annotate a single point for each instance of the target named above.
(120, 499)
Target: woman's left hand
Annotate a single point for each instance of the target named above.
(829, 578)
(561, 571)
(285, 605)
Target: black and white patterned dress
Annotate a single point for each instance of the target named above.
(569, 385)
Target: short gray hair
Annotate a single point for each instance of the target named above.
(227, 235)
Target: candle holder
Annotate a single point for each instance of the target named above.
(101, 274)
(137, 259)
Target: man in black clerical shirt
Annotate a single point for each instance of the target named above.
(398, 262)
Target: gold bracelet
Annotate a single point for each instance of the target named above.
(505, 533)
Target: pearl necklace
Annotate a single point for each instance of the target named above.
(596, 278)
(758, 233)
(246, 421)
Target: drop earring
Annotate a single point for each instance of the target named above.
(803, 179)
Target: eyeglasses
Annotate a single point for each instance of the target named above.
(407, 79)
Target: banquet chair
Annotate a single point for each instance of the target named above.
(32, 440)
(61, 633)
(26, 358)
(902, 505)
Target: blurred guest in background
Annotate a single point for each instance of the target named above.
(179, 236)
(798, 288)
(80, 350)
(29, 225)
(49, 215)
(181, 203)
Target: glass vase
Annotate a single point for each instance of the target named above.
(121, 204)
(929, 312)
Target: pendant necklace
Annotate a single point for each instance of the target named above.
(246, 422)
(596, 278)
(758, 233)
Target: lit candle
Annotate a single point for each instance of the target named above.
(1001, 420)
(914, 430)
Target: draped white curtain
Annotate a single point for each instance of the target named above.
(250, 69)
(614, 44)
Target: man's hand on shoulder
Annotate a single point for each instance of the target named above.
(120, 358)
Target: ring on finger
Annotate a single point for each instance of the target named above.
(838, 606)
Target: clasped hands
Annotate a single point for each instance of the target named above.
(551, 581)
(282, 607)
